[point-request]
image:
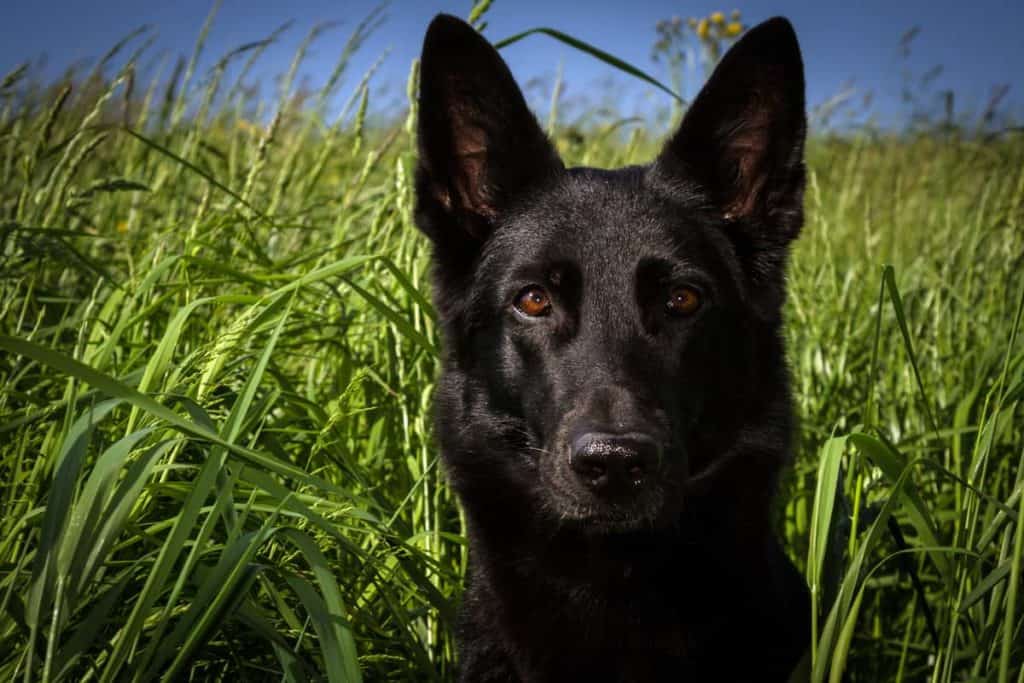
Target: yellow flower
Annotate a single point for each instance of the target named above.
(717, 18)
(734, 29)
(122, 226)
(702, 29)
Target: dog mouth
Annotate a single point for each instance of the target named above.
(648, 509)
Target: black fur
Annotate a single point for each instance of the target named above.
(679, 577)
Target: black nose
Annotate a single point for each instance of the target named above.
(613, 463)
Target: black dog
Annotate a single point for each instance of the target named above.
(614, 407)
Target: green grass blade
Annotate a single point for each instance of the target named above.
(116, 389)
(328, 611)
(595, 52)
(218, 595)
(829, 464)
(894, 466)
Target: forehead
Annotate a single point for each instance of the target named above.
(601, 220)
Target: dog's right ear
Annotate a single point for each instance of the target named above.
(479, 145)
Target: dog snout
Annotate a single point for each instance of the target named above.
(614, 464)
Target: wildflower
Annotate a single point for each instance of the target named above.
(733, 29)
(122, 226)
(717, 18)
(702, 29)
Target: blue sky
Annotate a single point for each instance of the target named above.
(978, 44)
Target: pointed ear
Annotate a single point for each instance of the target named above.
(742, 139)
(479, 145)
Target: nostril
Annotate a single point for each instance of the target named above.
(590, 468)
(636, 470)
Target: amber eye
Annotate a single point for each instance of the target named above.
(683, 301)
(533, 301)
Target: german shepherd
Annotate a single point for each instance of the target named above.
(614, 405)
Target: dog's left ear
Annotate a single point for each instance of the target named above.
(742, 140)
(480, 147)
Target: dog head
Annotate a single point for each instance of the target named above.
(612, 337)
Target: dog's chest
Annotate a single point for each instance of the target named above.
(614, 637)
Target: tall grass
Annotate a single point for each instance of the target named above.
(218, 356)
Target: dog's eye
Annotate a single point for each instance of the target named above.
(533, 301)
(683, 301)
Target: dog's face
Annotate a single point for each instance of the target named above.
(610, 335)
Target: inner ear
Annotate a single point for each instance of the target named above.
(742, 139)
(480, 146)
(748, 157)
(470, 166)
